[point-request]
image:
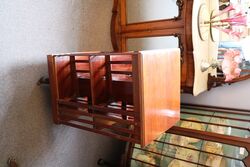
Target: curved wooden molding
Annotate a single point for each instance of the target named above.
(114, 26)
(180, 4)
(180, 43)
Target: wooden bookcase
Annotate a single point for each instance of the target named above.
(121, 95)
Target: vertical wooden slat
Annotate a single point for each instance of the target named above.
(136, 66)
(124, 107)
(123, 22)
(53, 87)
(114, 26)
(97, 81)
(74, 76)
(108, 75)
(123, 43)
(123, 12)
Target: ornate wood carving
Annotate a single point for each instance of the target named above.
(180, 43)
(180, 4)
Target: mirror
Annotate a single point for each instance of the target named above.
(148, 10)
(150, 43)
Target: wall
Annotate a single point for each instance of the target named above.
(146, 10)
(29, 30)
(150, 43)
(234, 96)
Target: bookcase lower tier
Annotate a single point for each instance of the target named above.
(205, 136)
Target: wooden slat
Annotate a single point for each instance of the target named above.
(72, 104)
(82, 61)
(122, 72)
(83, 71)
(117, 129)
(54, 87)
(66, 117)
(94, 53)
(108, 76)
(109, 118)
(63, 110)
(202, 151)
(101, 132)
(218, 109)
(123, 12)
(156, 33)
(153, 25)
(97, 81)
(112, 110)
(114, 28)
(127, 122)
(120, 62)
(116, 105)
(215, 137)
(214, 116)
(74, 78)
(216, 124)
(225, 139)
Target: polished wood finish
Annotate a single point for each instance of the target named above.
(159, 91)
(97, 74)
(117, 94)
(180, 27)
(60, 81)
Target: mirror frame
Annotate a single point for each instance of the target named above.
(179, 26)
(121, 29)
(177, 16)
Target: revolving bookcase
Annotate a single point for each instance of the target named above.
(120, 95)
